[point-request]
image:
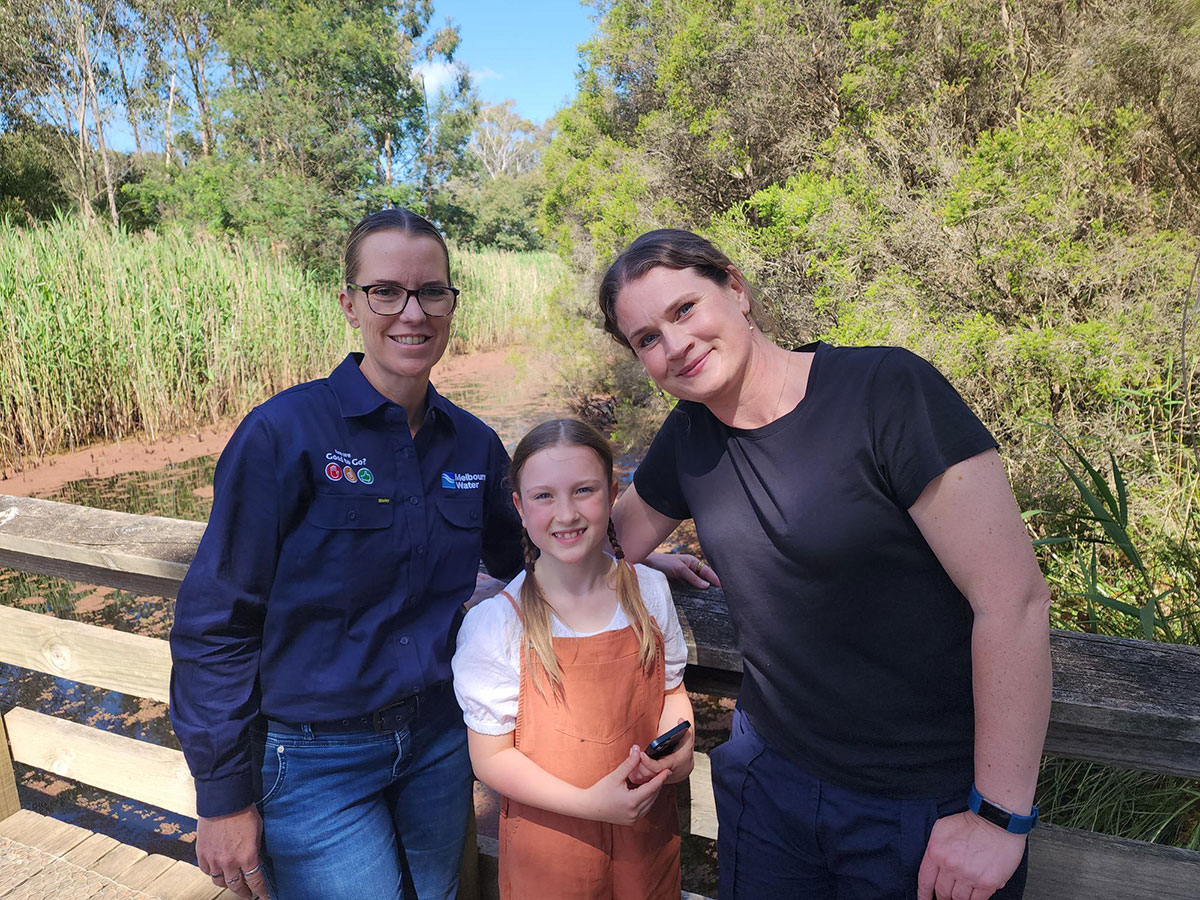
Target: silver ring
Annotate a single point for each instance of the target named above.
(251, 871)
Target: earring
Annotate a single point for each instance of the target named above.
(749, 321)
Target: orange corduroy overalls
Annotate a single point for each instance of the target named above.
(608, 703)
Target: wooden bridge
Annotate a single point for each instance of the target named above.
(1128, 703)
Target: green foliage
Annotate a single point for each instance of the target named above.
(498, 212)
(30, 185)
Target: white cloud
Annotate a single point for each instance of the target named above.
(436, 76)
(478, 75)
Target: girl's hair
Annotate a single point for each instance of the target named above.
(536, 641)
(402, 220)
(672, 248)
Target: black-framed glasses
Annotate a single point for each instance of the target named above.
(388, 299)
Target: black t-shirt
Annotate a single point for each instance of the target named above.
(856, 643)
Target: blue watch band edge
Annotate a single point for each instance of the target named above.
(1016, 824)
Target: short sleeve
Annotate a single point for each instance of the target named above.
(487, 668)
(656, 594)
(657, 477)
(920, 426)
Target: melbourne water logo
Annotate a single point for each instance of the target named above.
(462, 481)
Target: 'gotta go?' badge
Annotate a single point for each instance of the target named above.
(343, 467)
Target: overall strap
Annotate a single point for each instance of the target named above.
(510, 599)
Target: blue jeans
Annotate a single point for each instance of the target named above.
(785, 835)
(342, 810)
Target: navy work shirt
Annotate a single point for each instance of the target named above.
(330, 580)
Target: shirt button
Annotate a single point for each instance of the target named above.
(351, 515)
(404, 640)
(414, 500)
(421, 551)
(474, 515)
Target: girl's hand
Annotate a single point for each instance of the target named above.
(612, 800)
(679, 763)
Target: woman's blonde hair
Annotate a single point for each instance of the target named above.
(537, 644)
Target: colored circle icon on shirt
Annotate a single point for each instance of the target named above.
(365, 476)
(349, 474)
(333, 472)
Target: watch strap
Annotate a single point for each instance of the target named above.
(999, 816)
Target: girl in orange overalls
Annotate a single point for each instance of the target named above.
(563, 677)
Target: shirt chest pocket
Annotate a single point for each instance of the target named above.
(336, 512)
(461, 521)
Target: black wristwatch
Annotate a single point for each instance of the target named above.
(998, 815)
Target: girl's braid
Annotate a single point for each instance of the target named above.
(612, 539)
(531, 551)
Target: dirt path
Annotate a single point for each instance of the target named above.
(498, 384)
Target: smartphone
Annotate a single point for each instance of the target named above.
(665, 743)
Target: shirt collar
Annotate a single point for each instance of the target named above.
(358, 397)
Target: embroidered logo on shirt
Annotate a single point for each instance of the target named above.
(462, 481)
(342, 465)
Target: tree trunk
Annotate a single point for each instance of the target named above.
(89, 87)
(167, 121)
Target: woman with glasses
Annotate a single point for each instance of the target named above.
(314, 630)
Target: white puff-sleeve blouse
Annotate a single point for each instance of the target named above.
(487, 661)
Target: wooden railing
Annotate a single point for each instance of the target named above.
(1127, 703)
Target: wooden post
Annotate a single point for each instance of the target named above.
(9, 801)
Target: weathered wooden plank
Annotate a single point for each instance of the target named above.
(144, 771)
(1066, 864)
(9, 801)
(145, 870)
(89, 852)
(145, 554)
(115, 660)
(44, 833)
(183, 881)
(1134, 703)
(117, 861)
(702, 808)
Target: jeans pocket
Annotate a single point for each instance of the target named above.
(273, 769)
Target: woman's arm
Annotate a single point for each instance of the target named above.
(971, 521)
(641, 528)
(504, 768)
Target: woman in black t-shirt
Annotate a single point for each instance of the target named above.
(888, 604)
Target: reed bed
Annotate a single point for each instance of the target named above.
(103, 333)
(506, 297)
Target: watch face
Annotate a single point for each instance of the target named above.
(994, 814)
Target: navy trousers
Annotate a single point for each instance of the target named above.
(786, 835)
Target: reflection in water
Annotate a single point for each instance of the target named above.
(180, 491)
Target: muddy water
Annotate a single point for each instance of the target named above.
(510, 403)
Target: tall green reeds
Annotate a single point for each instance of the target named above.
(104, 333)
(506, 296)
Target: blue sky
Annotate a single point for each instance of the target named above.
(526, 51)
